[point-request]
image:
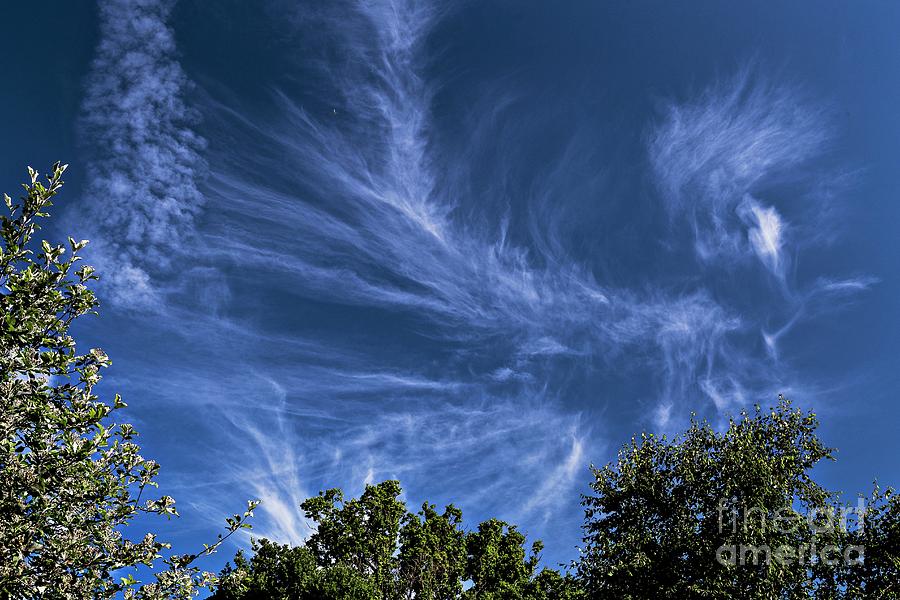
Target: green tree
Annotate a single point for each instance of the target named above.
(730, 515)
(70, 479)
(360, 533)
(497, 562)
(432, 557)
(878, 576)
(282, 572)
(500, 569)
(373, 548)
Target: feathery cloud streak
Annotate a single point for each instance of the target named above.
(713, 154)
(716, 157)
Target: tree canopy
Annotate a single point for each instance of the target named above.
(372, 547)
(728, 515)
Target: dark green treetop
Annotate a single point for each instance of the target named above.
(372, 547)
(734, 514)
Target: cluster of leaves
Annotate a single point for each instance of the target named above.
(879, 533)
(373, 548)
(70, 479)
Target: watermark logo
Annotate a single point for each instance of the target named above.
(825, 523)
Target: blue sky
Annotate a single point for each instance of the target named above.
(471, 246)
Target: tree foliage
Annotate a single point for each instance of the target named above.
(372, 547)
(70, 479)
(733, 515)
(879, 575)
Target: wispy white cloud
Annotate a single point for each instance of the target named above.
(508, 455)
(766, 232)
(560, 481)
(275, 479)
(352, 214)
(383, 235)
(715, 157)
(711, 155)
(822, 297)
(143, 193)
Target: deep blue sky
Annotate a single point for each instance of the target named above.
(472, 246)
